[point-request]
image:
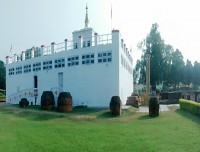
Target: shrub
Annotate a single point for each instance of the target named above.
(24, 102)
(115, 105)
(190, 106)
(153, 107)
(2, 95)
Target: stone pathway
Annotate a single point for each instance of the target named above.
(162, 108)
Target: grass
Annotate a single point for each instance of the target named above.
(94, 130)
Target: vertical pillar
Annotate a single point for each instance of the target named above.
(66, 44)
(15, 57)
(52, 47)
(122, 43)
(148, 76)
(124, 47)
(42, 50)
(8, 59)
(23, 55)
(32, 52)
(115, 39)
(127, 51)
(95, 39)
(80, 42)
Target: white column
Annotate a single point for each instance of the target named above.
(32, 52)
(66, 44)
(8, 59)
(148, 75)
(15, 57)
(80, 42)
(23, 55)
(124, 47)
(95, 39)
(52, 47)
(115, 37)
(122, 43)
(42, 50)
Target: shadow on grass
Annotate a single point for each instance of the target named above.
(28, 113)
(35, 113)
(146, 117)
(188, 115)
(106, 114)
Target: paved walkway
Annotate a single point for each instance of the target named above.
(141, 108)
(162, 108)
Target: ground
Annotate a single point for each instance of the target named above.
(32, 129)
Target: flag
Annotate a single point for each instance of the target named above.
(11, 48)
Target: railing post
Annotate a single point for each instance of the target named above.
(116, 37)
(124, 47)
(15, 57)
(42, 50)
(66, 44)
(95, 39)
(23, 55)
(32, 52)
(80, 41)
(8, 59)
(122, 43)
(52, 47)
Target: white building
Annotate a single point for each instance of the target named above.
(92, 67)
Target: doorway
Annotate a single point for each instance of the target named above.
(60, 80)
(35, 81)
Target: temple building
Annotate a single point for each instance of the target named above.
(92, 67)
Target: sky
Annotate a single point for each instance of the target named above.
(27, 23)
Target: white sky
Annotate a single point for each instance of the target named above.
(27, 23)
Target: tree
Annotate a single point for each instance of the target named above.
(154, 46)
(166, 65)
(136, 72)
(188, 73)
(167, 62)
(196, 74)
(177, 68)
(2, 75)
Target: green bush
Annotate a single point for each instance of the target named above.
(2, 95)
(190, 106)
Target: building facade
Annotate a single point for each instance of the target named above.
(92, 67)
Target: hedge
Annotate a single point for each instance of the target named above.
(190, 106)
(2, 95)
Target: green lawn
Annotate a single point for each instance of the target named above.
(32, 129)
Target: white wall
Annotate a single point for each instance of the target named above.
(93, 85)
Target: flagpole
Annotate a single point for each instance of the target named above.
(111, 16)
(11, 48)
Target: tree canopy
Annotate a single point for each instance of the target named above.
(2, 75)
(167, 65)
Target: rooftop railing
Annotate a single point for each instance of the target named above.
(26, 93)
(82, 42)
